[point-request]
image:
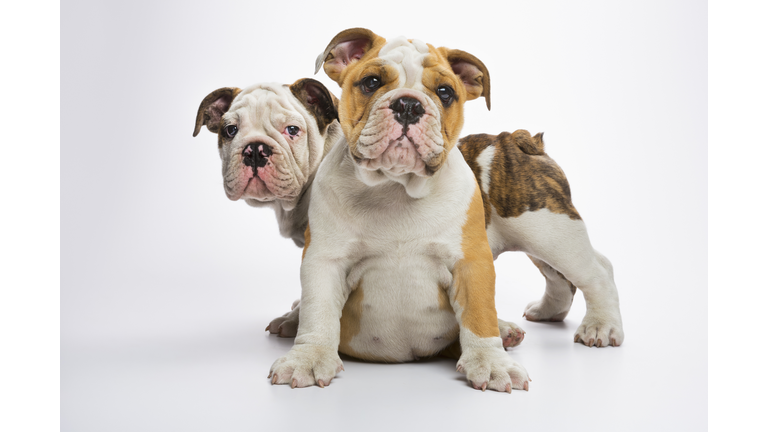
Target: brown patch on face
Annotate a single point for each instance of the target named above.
(351, 315)
(474, 277)
(307, 239)
(438, 73)
(355, 106)
(523, 177)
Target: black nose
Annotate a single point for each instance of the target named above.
(407, 110)
(256, 155)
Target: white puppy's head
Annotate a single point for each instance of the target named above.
(271, 137)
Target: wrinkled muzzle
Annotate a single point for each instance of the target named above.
(402, 135)
(262, 171)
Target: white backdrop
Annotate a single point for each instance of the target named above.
(166, 285)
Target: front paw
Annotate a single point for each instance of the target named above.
(306, 365)
(492, 368)
(600, 330)
(511, 334)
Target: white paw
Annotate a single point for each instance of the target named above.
(546, 310)
(286, 325)
(306, 365)
(600, 330)
(511, 334)
(491, 368)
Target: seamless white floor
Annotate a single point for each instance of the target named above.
(166, 286)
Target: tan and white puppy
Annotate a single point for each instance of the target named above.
(272, 138)
(265, 108)
(396, 263)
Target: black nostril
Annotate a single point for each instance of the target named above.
(256, 155)
(407, 110)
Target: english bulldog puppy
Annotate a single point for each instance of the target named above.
(397, 263)
(271, 138)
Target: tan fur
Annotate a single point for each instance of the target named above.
(307, 239)
(474, 275)
(442, 298)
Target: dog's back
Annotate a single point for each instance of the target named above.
(516, 175)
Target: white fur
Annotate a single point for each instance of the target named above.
(563, 243)
(484, 160)
(261, 112)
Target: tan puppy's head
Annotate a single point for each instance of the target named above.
(401, 107)
(271, 137)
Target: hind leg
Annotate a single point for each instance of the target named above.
(557, 299)
(592, 273)
(563, 244)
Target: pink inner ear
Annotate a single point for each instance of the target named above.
(467, 72)
(349, 51)
(220, 106)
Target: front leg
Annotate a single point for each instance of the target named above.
(472, 292)
(314, 358)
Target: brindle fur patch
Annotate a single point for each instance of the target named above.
(523, 177)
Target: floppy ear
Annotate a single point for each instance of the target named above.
(317, 100)
(346, 47)
(213, 107)
(472, 73)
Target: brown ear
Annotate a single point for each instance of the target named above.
(472, 73)
(346, 47)
(317, 100)
(213, 107)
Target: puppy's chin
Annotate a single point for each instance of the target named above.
(414, 152)
(399, 157)
(264, 188)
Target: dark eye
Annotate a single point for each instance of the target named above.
(230, 131)
(446, 95)
(370, 84)
(292, 130)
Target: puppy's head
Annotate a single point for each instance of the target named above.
(271, 136)
(401, 107)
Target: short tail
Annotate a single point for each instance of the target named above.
(529, 145)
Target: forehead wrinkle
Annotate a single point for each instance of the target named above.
(409, 58)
